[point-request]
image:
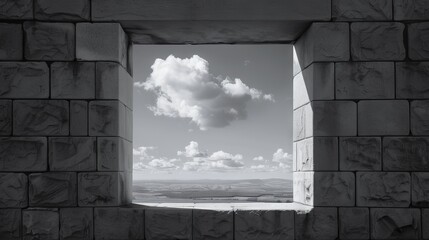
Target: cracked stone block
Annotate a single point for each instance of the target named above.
(383, 117)
(49, 41)
(420, 117)
(16, 9)
(114, 83)
(365, 80)
(78, 118)
(360, 154)
(411, 10)
(24, 80)
(406, 154)
(334, 189)
(411, 80)
(354, 223)
(10, 224)
(40, 223)
(317, 153)
(334, 118)
(320, 224)
(361, 10)
(101, 42)
(395, 223)
(168, 223)
(303, 185)
(258, 225)
(5, 117)
(73, 80)
(418, 34)
(420, 189)
(41, 117)
(23, 154)
(107, 119)
(383, 189)
(62, 10)
(52, 189)
(72, 154)
(101, 189)
(76, 223)
(212, 225)
(114, 154)
(302, 122)
(377, 41)
(11, 41)
(119, 223)
(13, 190)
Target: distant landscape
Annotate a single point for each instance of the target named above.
(185, 191)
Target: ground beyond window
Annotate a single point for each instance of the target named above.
(212, 123)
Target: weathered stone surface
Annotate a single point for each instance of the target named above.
(334, 189)
(406, 154)
(114, 154)
(425, 221)
(383, 117)
(119, 223)
(11, 41)
(101, 188)
(41, 117)
(395, 223)
(317, 153)
(303, 185)
(13, 190)
(128, 122)
(420, 189)
(73, 80)
(167, 224)
(16, 9)
(354, 223)
(76, 223)
(5, 117)
(383, 189)
(411, 80)
(420, 117)
(106, 118)
(411, 10)
(418, 34)
(62, 10)
(23, 154)
(361, 10)
(40, 224)
(78, 118)
(302, 122)
(72, 154)
(377, 41)
(360, 153)
(365, 80)
(320, 224)
(52, 189)
(24, 80)
(49, 41)
(334, 118)
(10, 224)
(101, 42)
(212, 225)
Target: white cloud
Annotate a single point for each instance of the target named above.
(162, 164)
(283, 158)
(259, 159)
(142, 153)
(192, 150)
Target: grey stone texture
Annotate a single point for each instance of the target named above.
(72, 154)
(73, 80)
(302, 122)
(395, 223)
(420, 117)
(418, 34)
(383, 117)
(16, 9)
(420, 189)
(361, 10)
(107, 118)
(406, 154)
(101, 189)
(334, 118)
(11, 41)
(13, 190)
(49, 41)
(62, 10)
(360, 153)
(320, 223)
(5, 117)
(24, 80)
(40, 223)
(119, 223)
(114, 154)
(23, 154)
(425, 221)
(212, 225)
(52, 189)
(377, 41)
(365, 80)
(76, 223)
(353, 223)
(334, 189)
(383, 189)
(411, 10)
(411, 80)
(10, 224)
(168, 223)
(317, 153)
(41, 117)
(303, 185)
(78, 118)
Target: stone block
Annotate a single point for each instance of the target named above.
(354, 223)
(114, 154)
(24, 80)
(40, 223)
(303, 185)
(418, 33)
(317, 153)
(411, 10)
(360, 154)
(395, 223)
(5, 117)
(78, 118)
(212, 225)
(383, 117)
(168, 223)
(334, 118)
(52, 189)
(13, 190)
(10, 224)
(73, 80)
(361, 10)
(383, 189)
(62, 10)
(420, 189)
(16, 9)
(11, 41)
(420, 117)
(303, 122)
(406, 154)
(23, 154)
(107, 119)
(411, 80)
(76, 223)
(101, 189)
(334, 189)
(101, 42)
(41, 117)
(72, 154)
(425, 222)
(119, 223)
(320, 224)
(377, 41)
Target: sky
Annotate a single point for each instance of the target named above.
(212, 112)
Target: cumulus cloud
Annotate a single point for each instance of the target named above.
(185, 88)
(192, 150)
(259, 159)
(144, 160)
(283, 158)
